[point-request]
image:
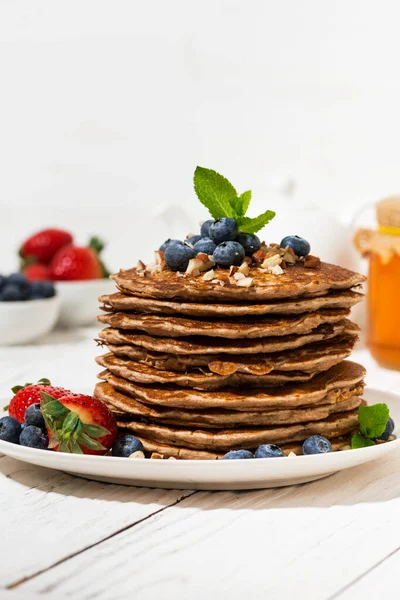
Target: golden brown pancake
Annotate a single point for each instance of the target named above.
(295, 281)
(342, 376)
(125, 302)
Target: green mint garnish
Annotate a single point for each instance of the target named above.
(359, 441)
(372, 420)
(222, 200)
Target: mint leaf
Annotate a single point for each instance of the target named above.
(248, 225)
(359, 441)
(244, 200)
(215, 192)
(373, 419)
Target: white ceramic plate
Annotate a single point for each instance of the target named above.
(211, 474)
(26, 322)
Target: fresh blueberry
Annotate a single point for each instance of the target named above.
(41, 289)
(229, 253)
(205, 228)
(269, 451)
(33, 416)
(388, 431)
(236, 454)
(251, 243)
(316, 444)
(10, 430)
(127, 445)
(177, 256)
(205, 245)
(34, 437)
(12, 293)
(223, 230)
(20, 280)
(193, 239)
(165, 245)
(299, 246)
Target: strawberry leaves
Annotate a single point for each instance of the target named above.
(222, 200)
(67, 430)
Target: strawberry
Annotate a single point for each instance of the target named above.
(36, 272)
(44, 244)
(28, 394)
(78, 424)
(75, 263)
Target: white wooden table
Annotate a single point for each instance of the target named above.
(337, 538)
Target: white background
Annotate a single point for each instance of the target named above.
(106, 107)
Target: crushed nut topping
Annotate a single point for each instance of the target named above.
(246, 282)
(312, 262)
(137, 454)
(157, 455)
(244, 268)
(209, 275)
(238, 276)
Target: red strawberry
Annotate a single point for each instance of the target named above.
(44, 244)
(75, 263)
(78, 424)
(28, 394)
(36, 272)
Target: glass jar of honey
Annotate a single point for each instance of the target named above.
(382, 247)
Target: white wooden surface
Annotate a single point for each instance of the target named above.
(337, 538)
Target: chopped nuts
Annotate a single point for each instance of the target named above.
(271, 260)
(232, 270)
(238, 276)
(259, 256)
(209, 275)
(312, 262)
(201, 263)
(292, 455)
(172, 458)
(137, 454)
(157, 456)
(246, 282)
(244, 268)
(140, 265)
(276, 270)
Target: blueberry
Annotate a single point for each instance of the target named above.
(127, 445)
(236, 454)
(316, 444)
(269, 451)
(251, 243)
(193, 239)
(299, 246)
(165, 245)
(205, 245)
(223, 230)
(229, 253)
(34, 437)
(2, 281)
(388, 431)
(178, 254)
(20, 280)
(12, 293)
(205, 228)
(10, 430)
(41, 289)
(33, 416)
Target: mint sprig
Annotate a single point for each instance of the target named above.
(222, 200)
(372, 421)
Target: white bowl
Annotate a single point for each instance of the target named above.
(79, 300)
(26, 322)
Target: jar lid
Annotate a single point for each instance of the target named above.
(388, 215)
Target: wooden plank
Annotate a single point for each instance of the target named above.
(308, 542)
(46, 516)
(380, 582)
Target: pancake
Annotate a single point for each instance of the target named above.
(324, 386)
(293, 282)
(214, 418)
(341, 443)
(309, 359)
(242, 327)
(123, 302)
(145, 374)
(247, 438)
(209, 345)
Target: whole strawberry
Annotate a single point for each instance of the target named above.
(77, 263)
(36, 272)
(28, 394)
(43, 245)
(78, 424)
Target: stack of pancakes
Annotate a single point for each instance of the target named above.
(196, 368)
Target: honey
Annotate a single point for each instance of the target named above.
(383, 333)
(382, 247)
